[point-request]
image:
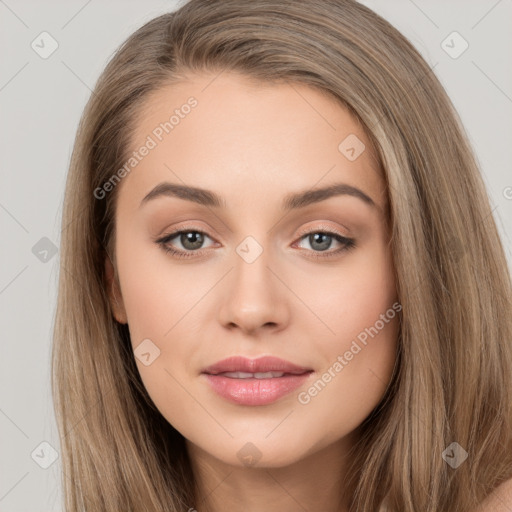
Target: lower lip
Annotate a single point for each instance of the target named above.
(255, 391)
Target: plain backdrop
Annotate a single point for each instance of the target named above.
(41, 100)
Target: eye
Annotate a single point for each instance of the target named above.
(320, 241)
(192, 241)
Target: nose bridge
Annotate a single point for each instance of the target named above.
(252, 297)
(251, 263)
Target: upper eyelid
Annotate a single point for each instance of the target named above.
(327, 230)
(314, 228)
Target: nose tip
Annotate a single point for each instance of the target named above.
(253, 298)
(249, 320)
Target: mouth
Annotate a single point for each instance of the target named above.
(256, 375)
(255, 382)
(265, 364)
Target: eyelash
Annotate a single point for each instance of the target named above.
(348, 243)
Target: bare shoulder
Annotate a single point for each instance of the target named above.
(500, 500)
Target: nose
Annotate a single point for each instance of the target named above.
(253, 298)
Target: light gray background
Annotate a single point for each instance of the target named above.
(41, 101)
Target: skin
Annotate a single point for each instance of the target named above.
(253, 144)
(500, 500)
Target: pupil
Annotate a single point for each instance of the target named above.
(192, 240)
(318, 236)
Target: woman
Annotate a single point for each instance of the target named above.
(282, 286)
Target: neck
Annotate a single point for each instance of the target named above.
(315, 482)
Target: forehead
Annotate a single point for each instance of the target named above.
(226, 132)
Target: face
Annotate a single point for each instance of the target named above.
(263, 266)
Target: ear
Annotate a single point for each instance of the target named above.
(114, 293)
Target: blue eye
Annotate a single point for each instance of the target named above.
(323, 241)
(192, 240)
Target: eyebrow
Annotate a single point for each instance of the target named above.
(291, 201)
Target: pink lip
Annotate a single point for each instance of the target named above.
(254, 391)
(262, 364)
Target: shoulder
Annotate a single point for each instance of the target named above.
(500, 500)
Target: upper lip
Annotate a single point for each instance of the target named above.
(261, 364)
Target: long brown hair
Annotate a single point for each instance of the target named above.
(454, 382)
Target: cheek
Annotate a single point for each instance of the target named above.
(165, 303)
(351, 384)
(360, 308)
(159, 303)
(351, 297)
(157, 293)
(358, 363)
